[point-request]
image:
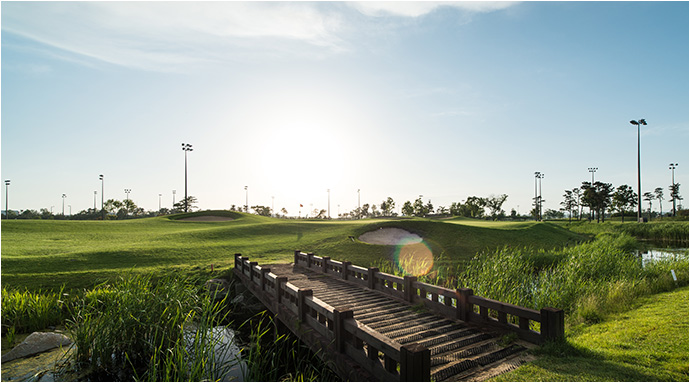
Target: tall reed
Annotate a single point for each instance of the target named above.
(136, 329)
(27, 311)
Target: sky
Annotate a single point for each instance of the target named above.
(366, 99)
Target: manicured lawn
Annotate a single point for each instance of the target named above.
(648, 343)
(46, 254)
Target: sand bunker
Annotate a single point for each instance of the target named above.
(206, 218)
(390, 236)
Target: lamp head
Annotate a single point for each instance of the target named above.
(642, 121)
(634, 122)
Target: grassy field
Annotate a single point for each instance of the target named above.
(647, 343)
(47, 254)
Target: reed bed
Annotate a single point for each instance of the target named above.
(588, 281)
(27, 311)
(136, 329)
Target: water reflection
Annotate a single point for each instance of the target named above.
(653, 255)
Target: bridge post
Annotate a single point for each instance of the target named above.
(297, 257)
(309, 255)
(251, 270)
(409, 282)
(340, 315)
(346, 264)
(552, 323)
(264, 271)
(415, 363)
(279, 282)
(371, 278)
(464, 308)
(325, 264)
(301, 306)
(238, 260)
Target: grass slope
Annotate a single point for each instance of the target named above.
(46, 254)
(648, 343)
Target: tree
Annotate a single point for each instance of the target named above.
(262, 210)
(419, 208)
(387, 207)
(29, 214)
(675, 196)
(186, 202)
(407, 209)
(648, 197)
(568, 203)
(284, 211)
(577, 196)
(474, 207)
(659, 194)
(622, 198)
(553, 214)
(597, 197)
(46, 214)
(365, 210)
(494, 204)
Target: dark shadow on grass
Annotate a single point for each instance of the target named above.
(574, 363)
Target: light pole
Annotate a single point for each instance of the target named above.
(671, 166)
(329, 203)
(159, 201)
(246, 199)
(186, 148)
(174, 198)
(541, 199)
(127, 191)
(63, 203)
(592, 170)
(639, 122)
(359, 208)
(100, 177)
(70, 210)
(7, 210)
(94, 200)
(536, 196)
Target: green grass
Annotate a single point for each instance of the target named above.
(79, 254)
(647, 343)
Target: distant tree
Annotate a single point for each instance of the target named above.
(622, 198)
(442, 210)
(284, 211)
(659, 194)
(494, 203)
(675, 196)
(29, 214)
(648, 197)
(553, 214)
(262, 210)
(419, 208)
(112, 206)
(365, 210)
(188, 202)
(597, 197)
(46, 214)
(407, 209)
(319, 214)
(569, 203)
(577, 196)
(387, 207)
(429, 208)
(473, 207)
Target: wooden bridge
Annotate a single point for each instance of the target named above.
(376, 326)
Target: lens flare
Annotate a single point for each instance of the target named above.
(414, 257)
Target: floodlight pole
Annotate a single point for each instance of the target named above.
(63, 203)
(639, 177)
(186, 148)
(671, 166)
(329, 203)
(7, 209)
(592, 170)
(100, 176)
(246, 199)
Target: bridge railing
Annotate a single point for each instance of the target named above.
(535, 326)
(385, 359)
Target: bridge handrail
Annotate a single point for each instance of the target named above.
(337, 325)
(532, 325)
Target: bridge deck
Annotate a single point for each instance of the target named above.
(457, 350)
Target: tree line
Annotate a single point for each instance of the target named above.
(600, 197)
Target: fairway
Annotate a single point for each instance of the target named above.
(46, 254)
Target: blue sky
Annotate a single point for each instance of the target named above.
(444, 100)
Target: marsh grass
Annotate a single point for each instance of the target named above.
(28, 311)
(135, 329)
(272, 357)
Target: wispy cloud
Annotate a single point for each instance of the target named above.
(421, 8)
(170, 35)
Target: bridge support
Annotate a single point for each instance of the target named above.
(415, 363)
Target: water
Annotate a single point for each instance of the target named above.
(657, 254)
(38, 368)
